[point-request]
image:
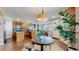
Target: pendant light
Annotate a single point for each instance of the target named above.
(42, 16)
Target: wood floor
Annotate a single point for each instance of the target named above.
(14, 46)
(18, 46)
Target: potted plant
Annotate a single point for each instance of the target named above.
(41, 32)
(70, 21)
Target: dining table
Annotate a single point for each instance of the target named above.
(43, 41)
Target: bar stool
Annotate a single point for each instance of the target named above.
(29, 46)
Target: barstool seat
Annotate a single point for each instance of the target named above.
(28, 46)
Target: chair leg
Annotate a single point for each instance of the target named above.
(29, 49)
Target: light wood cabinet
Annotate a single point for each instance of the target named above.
(30, 34)
(19, 36)
(33, 34)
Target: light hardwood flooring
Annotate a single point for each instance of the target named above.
(18, 46)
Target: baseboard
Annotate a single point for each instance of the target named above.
(1, 44)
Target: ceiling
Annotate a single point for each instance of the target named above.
(31, 12)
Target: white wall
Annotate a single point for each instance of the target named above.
(1, 31)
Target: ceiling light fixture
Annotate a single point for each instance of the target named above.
(42, 16)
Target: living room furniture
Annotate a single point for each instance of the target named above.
(30, 34)
(28, 46)
(43, 41)
(14, 36)
(19, 36)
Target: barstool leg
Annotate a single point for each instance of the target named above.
(29, 49)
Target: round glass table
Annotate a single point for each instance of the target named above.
(43, 40)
